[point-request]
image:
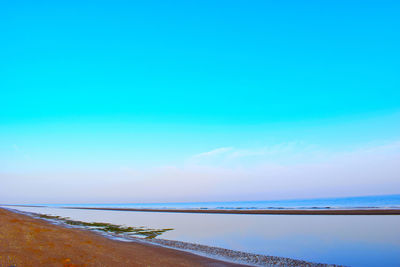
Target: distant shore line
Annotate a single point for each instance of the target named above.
(330, 211)
(260, 212)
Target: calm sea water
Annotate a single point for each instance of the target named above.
(387, 201)
(354, 240)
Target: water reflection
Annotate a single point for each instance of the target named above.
(350, 240)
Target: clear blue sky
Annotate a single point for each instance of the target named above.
(93, 86)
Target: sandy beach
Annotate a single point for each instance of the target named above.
(25, 241)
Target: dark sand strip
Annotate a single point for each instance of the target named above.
(25, 241)
(279, 212)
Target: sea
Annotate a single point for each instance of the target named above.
(359, 202)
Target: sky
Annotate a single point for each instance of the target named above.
(166, 101)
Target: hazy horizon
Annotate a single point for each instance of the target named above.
(198, 101)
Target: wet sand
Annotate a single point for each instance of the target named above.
(25, 241)
(278, 212)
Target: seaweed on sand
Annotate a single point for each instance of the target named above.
(148, 233)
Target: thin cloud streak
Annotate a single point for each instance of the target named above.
(213, 152)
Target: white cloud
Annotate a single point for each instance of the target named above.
(279, 153)
(213, 152)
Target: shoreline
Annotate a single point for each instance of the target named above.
(201, 255)
(261, 212)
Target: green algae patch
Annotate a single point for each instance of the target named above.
(147, 233)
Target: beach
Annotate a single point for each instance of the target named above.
(252, 239)
(200, 133)
(25, 241)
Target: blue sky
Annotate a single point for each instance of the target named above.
(128, 91)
